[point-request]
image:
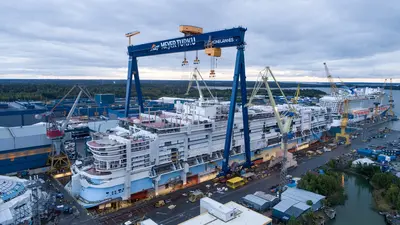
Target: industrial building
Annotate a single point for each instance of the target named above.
(294, 203)
(303, 196)
(215, 213)
(256, 203)
(23, 148)
(288, 208)
(271, 199)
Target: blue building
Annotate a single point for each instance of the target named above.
(294, 203)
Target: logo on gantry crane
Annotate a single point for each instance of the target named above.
(154, 47)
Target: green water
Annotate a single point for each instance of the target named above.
(358, 209)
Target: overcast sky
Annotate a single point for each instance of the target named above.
(84, 39)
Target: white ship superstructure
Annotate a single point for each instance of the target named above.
(159, 152)
(361, 103)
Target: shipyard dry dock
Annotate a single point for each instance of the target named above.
(185, 210)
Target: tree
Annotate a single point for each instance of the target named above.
(309, 202)
(328, 184)
(293, 221)
(392, 194)
(383, 180)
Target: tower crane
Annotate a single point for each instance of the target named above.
(344, 113)
(56, 131)
(296, 97)
(195, 75)
(344, 122)
(334, 88)
(391, 101)
(283, 124)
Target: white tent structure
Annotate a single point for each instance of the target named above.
(363, 162)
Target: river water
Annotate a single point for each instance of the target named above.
(358, 209)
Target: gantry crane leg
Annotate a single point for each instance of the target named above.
(133, 70)
(245, 112)
(239, 73)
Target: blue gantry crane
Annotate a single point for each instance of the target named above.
(212, 43)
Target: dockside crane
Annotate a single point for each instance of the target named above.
(297, 95)
(334, 89)
(56, 131)
(343, 123)
(195, 77)
(284, 123)
(344, 113)
(391, 103)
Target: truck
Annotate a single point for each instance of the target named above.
(160, 203)
(196, 195)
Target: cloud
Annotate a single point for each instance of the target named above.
(85, 39)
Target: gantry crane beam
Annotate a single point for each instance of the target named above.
(218, 39)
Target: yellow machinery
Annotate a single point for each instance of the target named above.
(284, 124)
(235, 182)
(131, 34)
(195, 196)
(343, 124)
(188, 30)
(160, 203)
(213, 52)
(296, 97)
(345, 113)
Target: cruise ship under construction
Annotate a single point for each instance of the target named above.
(155, 153)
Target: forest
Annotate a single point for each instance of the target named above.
(150, 90)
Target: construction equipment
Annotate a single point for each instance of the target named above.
(195, 75)
(159, 204)
(55, 131)
(196, 196)
(188, 30)
(343, 123)
(130, 35)
(283, 124)
(344, 113)
(235, 182)
(391, 101)
(296, 97)
(334, 88)
(219, 39)
(210, 50)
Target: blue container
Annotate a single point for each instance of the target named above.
(364, 151)
(381, 158)
(104, 99)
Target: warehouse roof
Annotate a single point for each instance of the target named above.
(32, 130)
(297, 209)
(244, 217)
(301, 195)
(255, 199)
(285, 204)
(265, 196)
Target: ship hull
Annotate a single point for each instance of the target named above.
(168, 182)
(353, 119)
